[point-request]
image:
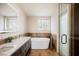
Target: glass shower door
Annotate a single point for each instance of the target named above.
(64, 29)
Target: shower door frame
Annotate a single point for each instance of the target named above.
(70, 28)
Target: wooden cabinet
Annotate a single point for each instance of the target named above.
(23, 50)
(75, 30)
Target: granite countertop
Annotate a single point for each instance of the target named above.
(16, 44)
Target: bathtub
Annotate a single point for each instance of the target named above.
(40, 43)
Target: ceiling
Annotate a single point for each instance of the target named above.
(39, 9)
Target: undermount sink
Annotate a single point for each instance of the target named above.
(6, 48)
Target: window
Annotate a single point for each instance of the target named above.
(44, 24)
(8, 23)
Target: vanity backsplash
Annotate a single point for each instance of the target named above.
(5, 36)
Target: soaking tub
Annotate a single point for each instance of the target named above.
(40, 43)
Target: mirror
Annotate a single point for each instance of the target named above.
(8, 18)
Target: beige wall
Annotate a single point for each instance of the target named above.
(33, 25)
(54, 25)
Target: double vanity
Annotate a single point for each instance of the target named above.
(18, 47)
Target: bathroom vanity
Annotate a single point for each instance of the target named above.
(18, 47)
(23, 50)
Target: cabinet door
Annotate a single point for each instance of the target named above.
(23, 50)
(76, 30)
(17, 53)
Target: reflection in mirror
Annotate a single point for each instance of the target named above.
(8, 18)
